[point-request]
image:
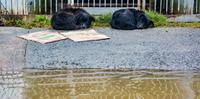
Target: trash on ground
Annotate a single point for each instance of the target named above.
(84, 35)
(53, 36)
(44, 36)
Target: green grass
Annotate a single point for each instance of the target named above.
(161, 21)
(37, 22)
(41, 21)
(158, 19)
(100, 21)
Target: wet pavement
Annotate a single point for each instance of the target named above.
(100, 84)
(159, 63)
(157, 48)
(12, 53)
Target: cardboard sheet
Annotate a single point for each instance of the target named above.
(44, 36)
(84, 35)
(53, 36)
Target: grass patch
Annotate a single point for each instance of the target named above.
(41, 21)
(101, 21)
(37, 22)
(161, 21)
(158, 19)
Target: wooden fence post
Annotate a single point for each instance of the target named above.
(143, 4)
(138, 4)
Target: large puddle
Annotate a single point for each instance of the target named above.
(99, 84)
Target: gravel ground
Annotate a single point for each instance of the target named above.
(156, 48)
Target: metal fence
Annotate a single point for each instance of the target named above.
(25, 7)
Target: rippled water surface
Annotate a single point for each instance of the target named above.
(99, 84)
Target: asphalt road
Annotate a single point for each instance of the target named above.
(156, 48)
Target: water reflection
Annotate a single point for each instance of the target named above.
(100, 84)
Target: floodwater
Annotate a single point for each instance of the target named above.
(99, 84)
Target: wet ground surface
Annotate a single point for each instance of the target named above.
(100, 84)
(157, 48)
(131, 65)
(12, 49)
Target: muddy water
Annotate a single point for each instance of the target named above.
(99, 84)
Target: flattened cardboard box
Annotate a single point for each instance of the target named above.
(44, 36)
(84, 35)
(53, 36)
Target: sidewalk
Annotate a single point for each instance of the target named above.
(158, 48)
